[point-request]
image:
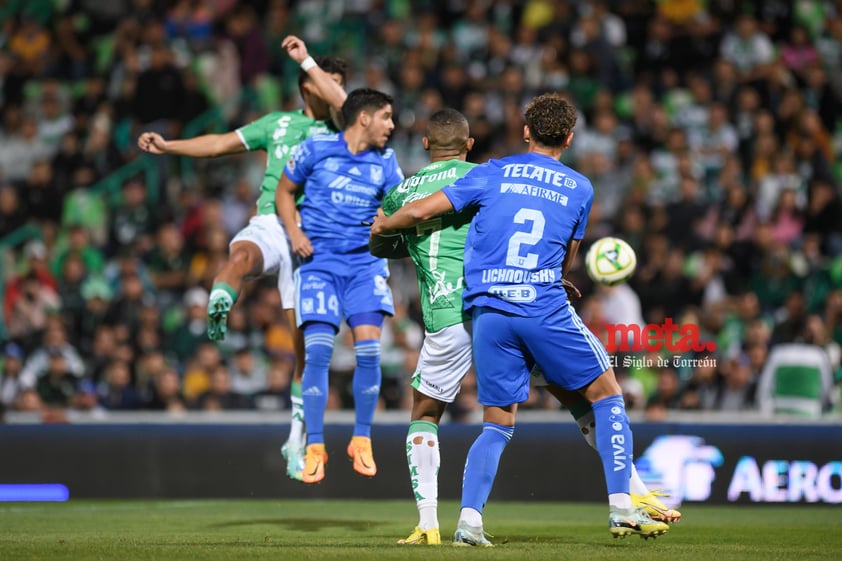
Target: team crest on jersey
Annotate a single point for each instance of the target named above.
(376, 174)
(331, 164)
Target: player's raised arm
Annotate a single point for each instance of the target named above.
(412, 214)
(326, 86)
(285, 205)
(205, 146)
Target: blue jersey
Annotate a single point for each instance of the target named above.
(528, 207)
(341, 190)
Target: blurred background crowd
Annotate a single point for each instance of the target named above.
(711, 129)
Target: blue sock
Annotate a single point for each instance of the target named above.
(318, 348)
(366, 385)
(614, 442)
(482, 462)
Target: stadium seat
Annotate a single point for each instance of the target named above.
(797, 380)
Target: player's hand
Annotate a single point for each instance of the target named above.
(152, 142)
(571, 289)
(300, 244)
(295, 48)
(378, 226)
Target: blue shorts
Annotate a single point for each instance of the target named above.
(506, 347)
(328, 294)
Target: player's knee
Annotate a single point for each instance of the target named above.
(245, 259)
(318, 345)
(368, 353)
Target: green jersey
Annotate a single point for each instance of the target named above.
(277, 133)
(437, 246)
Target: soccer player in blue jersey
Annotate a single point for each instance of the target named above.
(531, 215)
(260, 248)
(344, 177)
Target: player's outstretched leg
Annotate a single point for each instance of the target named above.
(480, 470)
(294, 449)
(641, 496)
(245, 259)
(318, 342)
(424, 460)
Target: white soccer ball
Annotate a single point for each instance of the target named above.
(610, 261)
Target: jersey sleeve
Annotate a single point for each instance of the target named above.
(300, 164)
(469, 189)
(584, 213)
(253, 135)
(391, 202)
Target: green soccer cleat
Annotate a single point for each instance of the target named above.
(622, 523)
(218, 307)
(430, 536)
(466, 535)
(655, 508)
(294, 457)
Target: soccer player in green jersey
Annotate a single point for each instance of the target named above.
(262, 247)
(437, 250)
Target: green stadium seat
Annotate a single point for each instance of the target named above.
(796, 380)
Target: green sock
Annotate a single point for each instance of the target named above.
(225, 287)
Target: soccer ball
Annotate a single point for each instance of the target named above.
(610, 261)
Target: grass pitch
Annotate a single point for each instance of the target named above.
(367, 530)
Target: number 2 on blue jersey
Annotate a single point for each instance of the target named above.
(530, 238)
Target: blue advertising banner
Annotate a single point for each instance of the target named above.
(694, 463)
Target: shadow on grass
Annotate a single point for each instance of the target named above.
(303, 524)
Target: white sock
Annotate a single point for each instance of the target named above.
(636, 484)
(471, 517)
(424, 460)
(428, 516)
(620, 500)
(297, 436)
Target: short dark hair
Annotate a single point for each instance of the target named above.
(448, 129)
(550, 119)
(330, 64)
(363, 99)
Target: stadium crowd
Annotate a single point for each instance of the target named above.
(711, 131)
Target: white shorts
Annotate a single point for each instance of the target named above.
(444, 360)
(268, 234)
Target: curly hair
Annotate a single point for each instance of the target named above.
(550, 119)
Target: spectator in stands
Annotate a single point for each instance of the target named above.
(737, 390)
(168, 265)
(54, 344)
(133, 222)
(12, 212)
(192, 332)
(166, 393)
(56, 384)
(20, 149)
(11, 364)
(116, 392)
(220, 396)
(248, 374)
(31, 298)
(276, 395)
